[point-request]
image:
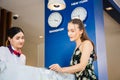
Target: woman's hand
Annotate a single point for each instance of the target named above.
(55, 67)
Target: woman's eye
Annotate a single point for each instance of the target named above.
(22, 37)
(72, 31)
(18, 38)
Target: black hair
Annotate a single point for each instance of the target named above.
(13, 31)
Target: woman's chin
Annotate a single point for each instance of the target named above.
(20, 47)
(71, 39)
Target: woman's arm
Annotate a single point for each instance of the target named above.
(86, 49)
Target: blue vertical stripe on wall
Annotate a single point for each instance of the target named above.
(100, 40)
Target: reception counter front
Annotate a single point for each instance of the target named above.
(23, 72)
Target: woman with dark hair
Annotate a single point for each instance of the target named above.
(11, 56)
(84, 54)
(12, 52)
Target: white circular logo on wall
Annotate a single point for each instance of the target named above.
(80, 13)
(54, 19)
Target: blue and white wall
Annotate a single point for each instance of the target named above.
(59, 49)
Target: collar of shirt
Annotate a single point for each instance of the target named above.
(13, 51)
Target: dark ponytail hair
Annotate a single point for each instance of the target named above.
(12, 32)
(84, 34)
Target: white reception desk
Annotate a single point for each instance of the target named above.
(22, 72)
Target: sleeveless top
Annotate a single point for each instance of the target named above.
(88, 72)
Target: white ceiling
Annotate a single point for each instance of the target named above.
(31, 17)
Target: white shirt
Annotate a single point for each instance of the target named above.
(7, 56)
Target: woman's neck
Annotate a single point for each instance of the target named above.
(78, 43)
(17, 49)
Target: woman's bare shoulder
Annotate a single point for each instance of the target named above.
(87, 42)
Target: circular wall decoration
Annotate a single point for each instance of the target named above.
(54, 19)
(80, 13)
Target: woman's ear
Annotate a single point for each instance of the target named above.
(81, 31)
(9, 38)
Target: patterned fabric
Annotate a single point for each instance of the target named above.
(88, 73)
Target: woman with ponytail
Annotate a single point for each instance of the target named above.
(81, 63)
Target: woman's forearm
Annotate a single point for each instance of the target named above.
(73, 69)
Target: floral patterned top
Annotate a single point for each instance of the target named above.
(88, 73)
